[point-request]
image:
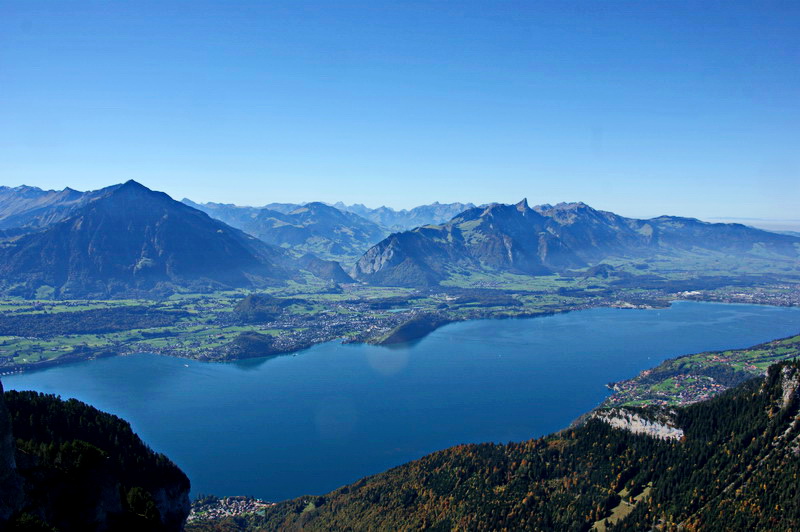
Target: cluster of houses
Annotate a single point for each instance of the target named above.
(217, 508)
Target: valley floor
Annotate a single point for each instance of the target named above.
(206, 327)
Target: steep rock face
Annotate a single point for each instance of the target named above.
(130, 238)
(545, 239)
(790, 385)
(660, 426)
(173, 505)
(511, 238)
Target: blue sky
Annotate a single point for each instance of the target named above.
(642, 108)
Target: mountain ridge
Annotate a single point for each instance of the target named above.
(128, 238)
(313, 227)
(335, 231)
(549, 239)
(404, 219)
(31, 208)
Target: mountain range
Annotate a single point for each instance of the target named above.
(127, 240)
(388, 219)
(312, 228)
(27, 208)
(550, 239)
(337, 232)
(404, 219)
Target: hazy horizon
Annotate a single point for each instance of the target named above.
(770, 224)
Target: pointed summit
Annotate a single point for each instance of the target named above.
(517, 239)
(132, 192)
(130, 239)
(130, 184)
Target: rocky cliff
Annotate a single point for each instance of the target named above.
(660, 426)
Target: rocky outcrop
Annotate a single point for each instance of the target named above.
(660, 426)
(790, 384)
(173, 505)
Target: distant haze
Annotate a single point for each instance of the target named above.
(761, 223)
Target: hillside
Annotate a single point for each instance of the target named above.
(547, 239)
(314, 227)
(696, 377)
(729, 463)
(131, 240)
(66, 465)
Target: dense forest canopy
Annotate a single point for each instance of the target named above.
(83, 469)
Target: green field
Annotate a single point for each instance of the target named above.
(205, 326)
(697, 377)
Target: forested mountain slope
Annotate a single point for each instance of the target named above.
(69, 467)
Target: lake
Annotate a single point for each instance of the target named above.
(286, 426)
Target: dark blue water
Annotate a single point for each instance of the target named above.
(292, 425)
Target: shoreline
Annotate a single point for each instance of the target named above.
(616, 399)
(332, 352)
(88, 354)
